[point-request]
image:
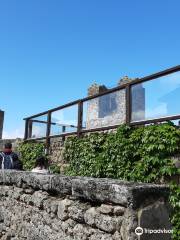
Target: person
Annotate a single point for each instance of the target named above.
(41, 166)
(9, 159)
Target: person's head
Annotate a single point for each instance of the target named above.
(8, 147)
(41, 162)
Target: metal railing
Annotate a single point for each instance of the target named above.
(78, 128)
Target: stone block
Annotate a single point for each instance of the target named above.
(63, 209)
(106, 209)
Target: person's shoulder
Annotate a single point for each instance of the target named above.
(14, 155)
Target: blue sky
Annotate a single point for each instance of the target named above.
(52, 50)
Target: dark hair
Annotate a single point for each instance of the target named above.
(8, 145)
(41, 162)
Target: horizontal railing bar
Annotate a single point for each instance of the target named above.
(33, 139)
(53, 123)
(156, 75)
(123, 86)
(137, 80)
(75, 133)
(54, 109)
(155, 120)
(52, 136)
(63, 134)
(100, 129)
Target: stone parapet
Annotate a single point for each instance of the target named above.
(36, 206)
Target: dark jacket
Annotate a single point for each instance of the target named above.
(10, 160)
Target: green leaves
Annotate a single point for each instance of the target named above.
(175, 203)
(136, 154)
(29, 152)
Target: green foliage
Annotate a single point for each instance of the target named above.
(175, 202)
(135, 154)
(29, 152)
(54, 168)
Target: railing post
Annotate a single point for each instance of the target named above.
(30, 125)
(128, 104)
(63, 131)
(48, 131)
(26, 129)
(80, 117)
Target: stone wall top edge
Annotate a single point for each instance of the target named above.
(92, 189)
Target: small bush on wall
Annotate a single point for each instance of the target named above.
(29, 152)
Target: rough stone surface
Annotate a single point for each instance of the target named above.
(114, 113)
(48, 207)
(106, 209)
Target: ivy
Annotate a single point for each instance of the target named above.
(29, 152)
(141, 154)
(138, 154)
(175, 203)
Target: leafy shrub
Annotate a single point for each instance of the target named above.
(54, 168)
(29, 152)
(135, 154)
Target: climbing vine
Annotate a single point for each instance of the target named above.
(141, 154)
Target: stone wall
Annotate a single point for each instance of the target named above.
(110, 109)
(56, 153)
(107, 110)
(40, 207)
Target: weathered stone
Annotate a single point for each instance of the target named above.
(106, 209)
(97, 116)
(77, 211)
(104, 190)
(38, 198)
(101, 221)
(129, 224)
(101, 236)
(117, 236)
(82, 232)
(29, 191)
(61, 184)
(63, 209)
(119, 211)
(33, 208)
